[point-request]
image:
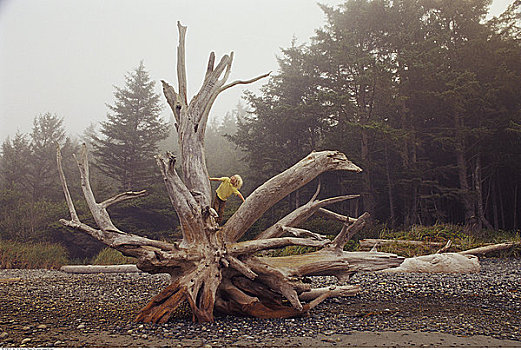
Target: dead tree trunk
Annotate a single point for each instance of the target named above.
(209, 267)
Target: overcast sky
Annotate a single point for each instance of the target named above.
(64, 57)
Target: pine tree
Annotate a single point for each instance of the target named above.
(125, 151)
(14, 167)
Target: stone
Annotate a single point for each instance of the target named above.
(26, 340)
(3, 335)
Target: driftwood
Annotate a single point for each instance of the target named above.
(488, 249)
(209, 267)
(370, 243)
(439, 263)
(129, 268)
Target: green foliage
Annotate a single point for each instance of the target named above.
(131, 134)
(16, 255)
(109, 256)
(436, 233)
(461, 240)
(423, 95)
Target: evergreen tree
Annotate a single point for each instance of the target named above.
(47, 133)
(284, 124)
(125, 151)
(14, 164)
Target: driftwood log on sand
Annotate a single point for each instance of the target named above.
(128, 268)
(439, 263)
(369, 243)
(462, 262)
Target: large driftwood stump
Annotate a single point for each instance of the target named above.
(210, 268)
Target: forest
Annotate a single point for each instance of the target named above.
(423, 95)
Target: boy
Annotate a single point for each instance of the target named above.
(228, 186)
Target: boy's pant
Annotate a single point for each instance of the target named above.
(218, 205)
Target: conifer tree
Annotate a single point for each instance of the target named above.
(129, 138)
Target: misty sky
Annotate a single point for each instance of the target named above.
(64, 57)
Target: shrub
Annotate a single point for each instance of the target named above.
(109, 256)
(16, 255)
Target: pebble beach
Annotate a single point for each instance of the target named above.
(47, 308)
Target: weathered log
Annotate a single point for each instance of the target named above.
(488, 249)
(371, 242)
(209, 268)
(439, 263)
(129, 268)
(336, 291)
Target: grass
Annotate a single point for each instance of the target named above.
(16, 255)
(436, 233)
(109, 256)
(461, 240)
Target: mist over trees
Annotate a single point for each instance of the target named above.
(125, 151)
(425, 96)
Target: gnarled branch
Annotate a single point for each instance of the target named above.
(278, 187)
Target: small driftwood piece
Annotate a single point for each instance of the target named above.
(439, 263)
(128, 268)
(370, 243)
(209, 267)
(488, 249)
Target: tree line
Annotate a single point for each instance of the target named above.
(423, 95)
(121, 149)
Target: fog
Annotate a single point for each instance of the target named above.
(65, 57)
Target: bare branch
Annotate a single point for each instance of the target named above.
(335, 216)
(300, 215)
(98, 212)
(209, 68)
(280, 186)
(300, 232)
(181, 199)
(241, 267)
(122, 197)
(68, 199)
(335, 291)
(248, 247)
(181, 66)
(227, 72)
(348, 231)
(237, 82)
(445, 247)
(489, 248)
(173, 100)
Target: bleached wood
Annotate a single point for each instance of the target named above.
(85, 269)
(209, 268)
(122, 197)
(278, 187)
(63, 180)
(249, 247)
(445, 247)
(348, 231)
(335, 291)
(488, 249)
(371, 242)
(439, 263)
(328, 214)
(300, 215)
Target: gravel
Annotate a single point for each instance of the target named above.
(42, 308)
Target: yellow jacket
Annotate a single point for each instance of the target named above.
(226, 189)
